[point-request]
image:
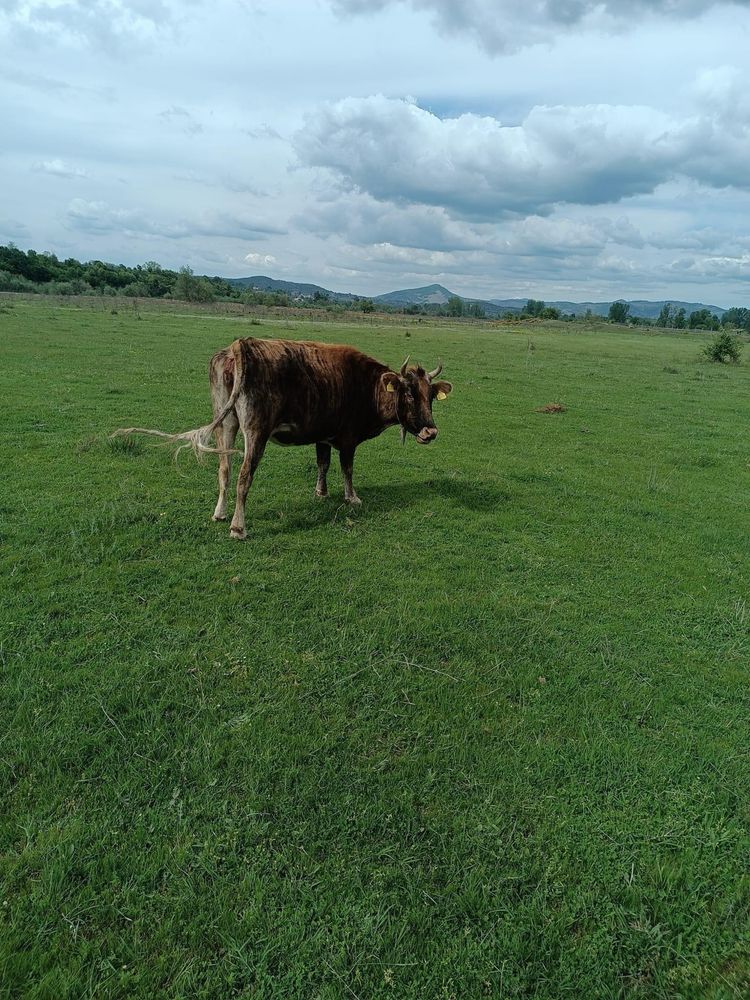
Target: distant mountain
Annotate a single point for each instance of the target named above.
(296, 289)
(438, 295)
(429, 295)
(434, 295)
(642, 308)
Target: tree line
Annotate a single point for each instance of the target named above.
(671, 317)
(45, 273)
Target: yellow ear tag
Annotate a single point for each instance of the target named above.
(389, 387)
(442, 395)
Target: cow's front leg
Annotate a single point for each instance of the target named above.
(346, 456)
(255, 444)
(323, 453)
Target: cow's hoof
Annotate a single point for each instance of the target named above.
(218, 517)
(321, 496)
(238, 534)
(354, 501)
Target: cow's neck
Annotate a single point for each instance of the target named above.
(387, 408)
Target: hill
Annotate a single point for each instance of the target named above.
(296, 289)
(643, 308)
(438, 295)
(434, 295)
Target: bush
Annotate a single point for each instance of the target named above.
(723, 348)
(15, 283)
(138, 289)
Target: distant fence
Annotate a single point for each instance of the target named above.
(240, 310)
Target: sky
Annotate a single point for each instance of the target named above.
(555, 149)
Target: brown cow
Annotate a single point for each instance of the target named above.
(305, 393)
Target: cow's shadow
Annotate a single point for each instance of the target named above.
(477, 497)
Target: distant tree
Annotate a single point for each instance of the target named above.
(665, 317)
(619, 312)
(367, 306)
(137, 289)
(703, 319)
(192, 289)
(549, 312)
(455, 306)
(679, 322)
(476, 310)
(533, 307)
(158, 281)
(737, 317)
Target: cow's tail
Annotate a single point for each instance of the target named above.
(199, 438)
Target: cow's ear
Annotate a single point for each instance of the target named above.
(441, 389)
(390, 381)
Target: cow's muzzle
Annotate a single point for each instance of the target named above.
(427, 435)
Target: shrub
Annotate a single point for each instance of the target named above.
(723, 348)
(15, 283)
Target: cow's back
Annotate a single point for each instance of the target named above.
(307, 392)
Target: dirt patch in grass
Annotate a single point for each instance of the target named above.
(551, 408)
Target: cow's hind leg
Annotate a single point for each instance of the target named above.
(221, 377)
(225, 435)
(323, 453)
(255, 444)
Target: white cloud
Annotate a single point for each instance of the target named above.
(109, 23)
(59, 168)
(713, 268)
(475, 167)
(260, 259)
(100, 217)
(183, 119)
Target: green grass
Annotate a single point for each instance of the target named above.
(486, 736)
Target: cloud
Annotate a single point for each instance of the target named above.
(59, 168)
(105, 23)
(539, 236)
(11, 229)
(183, 119)
(478, 169)
(714, 268)
(260, 259)
(263, 131)
(508, 25)
(363, 221)
(228, 182)
(99, 217)
(53, 85)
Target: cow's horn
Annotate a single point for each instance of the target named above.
(434, 374)
(403, 366)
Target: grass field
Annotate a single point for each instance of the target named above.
(487, 735)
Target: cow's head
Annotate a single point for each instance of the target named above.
(414, 390)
